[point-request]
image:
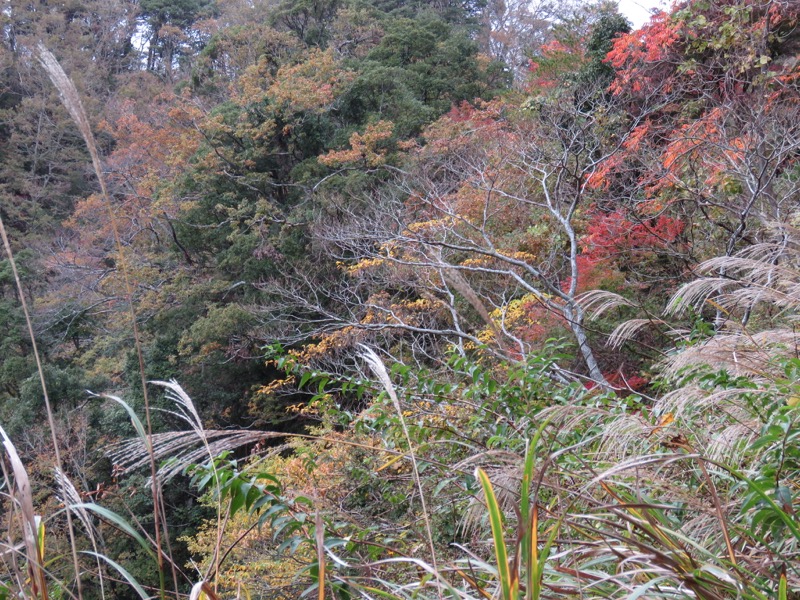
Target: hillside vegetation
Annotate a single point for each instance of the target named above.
(399, 299)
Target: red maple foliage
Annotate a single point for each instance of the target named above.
(618, 232)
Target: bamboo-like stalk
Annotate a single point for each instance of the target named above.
(72, 102)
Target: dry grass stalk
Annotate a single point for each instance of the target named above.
(71, 498)
(72, 101)
(48, 408)
(11, 549)
(505, 470)
(597, 302)
(187, 412)
(29, 521)
(182, 449)
(201, 590)
(379, 369)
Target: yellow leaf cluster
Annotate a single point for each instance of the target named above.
(311, 85)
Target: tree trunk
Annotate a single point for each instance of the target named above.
(574, 314)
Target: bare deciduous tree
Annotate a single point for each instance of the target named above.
(488, 213)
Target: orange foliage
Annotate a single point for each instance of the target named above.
(593, 273)
(153, 151)
(555, 58)
(369, 148)
(636, 55)
(311, 85)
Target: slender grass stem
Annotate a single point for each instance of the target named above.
(49, 409)
(377, 366)
(72, 102)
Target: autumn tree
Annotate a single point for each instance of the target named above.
(488, 212)
(512, 29)
(44, 172)
(170, 30)
(716, 153)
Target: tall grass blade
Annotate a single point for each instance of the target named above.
(30, 523)
(319, 536)
(643, 589)
(529, 519)
(72, 501)
(48, 408)
(122, 571)
(135, 420)
(379, 369)
(118, 522)
(11, 548)
(534, 584)
(509, 582)
(201, 590)
(188, 413)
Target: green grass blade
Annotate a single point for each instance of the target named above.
(137, 422)
(783, 593)
(508, 582)
(122, 571)
(118, 522)
(533, 568)
(644, 588)
(528, 519)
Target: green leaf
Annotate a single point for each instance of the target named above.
(238, 499)
(254, 493)
(777, 511)
(304, 379)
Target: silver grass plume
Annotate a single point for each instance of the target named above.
(766, 274)
(177, 449)
(597, 302)
(379, 369)
(759, 295)
(181, 449)
(71, 499)
(72, 101)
